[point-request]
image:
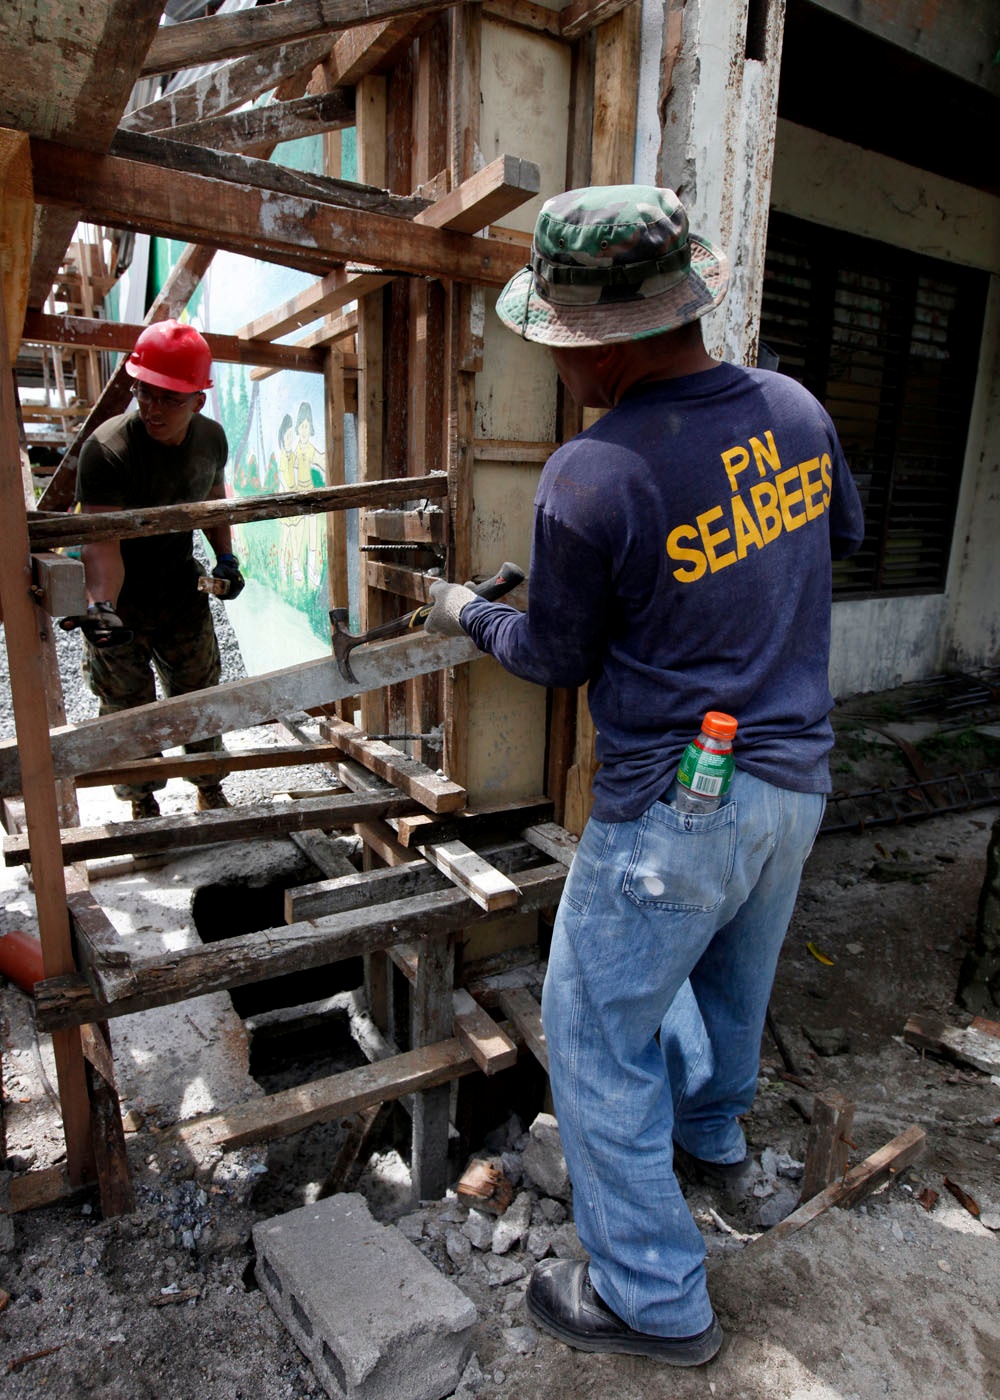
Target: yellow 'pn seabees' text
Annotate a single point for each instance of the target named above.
(754, 516)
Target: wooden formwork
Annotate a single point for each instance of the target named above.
(467, 116)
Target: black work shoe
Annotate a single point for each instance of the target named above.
(562, 1299)
(145, 806)
(733, 1179)
(212, 799)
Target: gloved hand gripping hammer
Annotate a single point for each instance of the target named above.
(503, 581)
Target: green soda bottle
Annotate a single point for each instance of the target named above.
(706, 769)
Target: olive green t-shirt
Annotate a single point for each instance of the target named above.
(122, 466)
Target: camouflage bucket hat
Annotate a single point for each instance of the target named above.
(612, 263)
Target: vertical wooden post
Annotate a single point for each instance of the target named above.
(827, 1146)
(22, 621)
(432, 1022)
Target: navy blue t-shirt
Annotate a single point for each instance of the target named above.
(681, 563)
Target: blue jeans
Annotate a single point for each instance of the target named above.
(662, 961)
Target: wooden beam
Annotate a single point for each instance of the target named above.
(196, 765)
(107, 1132)
(523, 1010)
(581, 16)
(486, 822)
(168, 153)
(827, 1144)
(57, 531)
(103, 958)
(58, 584)
(489, 887)
(968, 1045)
(78, 331)
(488, 1044)
(228, 86)
(182, 973)
(236, 704)
(554, 841)
(357, 889)
(198, 41)
(255, 823)
(503, 185)
(524, 14)
(859, 1182)
(416, 526)
(325, 1100)
(256, 130)
(260, 223)
(434, 792)
(369, 49)
(22, 625)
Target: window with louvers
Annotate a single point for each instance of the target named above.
(888, 341)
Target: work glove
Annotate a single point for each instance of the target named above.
(447, 600)
(101, 626)
(227, 567)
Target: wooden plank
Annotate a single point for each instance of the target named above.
(487, 1043)
(22, 623)
(519, 1006)
(968, 1046)
(257, 128)
(192, 765)
(503, 185)
(436, 793)
(187, 830)
(107, 1132)
(208, 40)
(859, 1182)
(171, 154)
(470, 872)
(228, 86)
(380, 838)
(356, 890)
(325, 1100)
(286, 229)
(827, 1143)
(236, 704)
(517, 453)
(57, 531)
(103, 957)
(553, 840)
(325, 853)
(370, 49)
(581, 16)
(501, 819)
(181, 973)
(40, 329)
(417, 526)
(525, 14)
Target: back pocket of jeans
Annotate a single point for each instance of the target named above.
(682, 861)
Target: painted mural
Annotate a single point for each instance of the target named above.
(276, 432)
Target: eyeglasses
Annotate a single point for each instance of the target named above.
(145, 394)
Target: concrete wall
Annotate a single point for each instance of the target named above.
(883, 642)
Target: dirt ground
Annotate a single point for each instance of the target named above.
(887, 1298)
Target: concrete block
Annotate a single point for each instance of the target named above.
(375, 1318)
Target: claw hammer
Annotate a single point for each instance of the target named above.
(507, 577)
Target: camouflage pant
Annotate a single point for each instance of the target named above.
(179, 642)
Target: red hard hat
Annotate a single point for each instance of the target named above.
(172, 356)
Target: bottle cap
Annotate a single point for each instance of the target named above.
(719, 725)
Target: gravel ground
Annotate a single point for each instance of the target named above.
(897, 1297)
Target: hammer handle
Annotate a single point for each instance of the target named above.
(503, 581)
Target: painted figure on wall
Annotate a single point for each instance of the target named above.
(301, 466)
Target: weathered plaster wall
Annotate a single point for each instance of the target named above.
(883, 642)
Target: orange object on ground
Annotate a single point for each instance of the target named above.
(21, 959)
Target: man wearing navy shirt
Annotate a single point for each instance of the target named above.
(681, 562)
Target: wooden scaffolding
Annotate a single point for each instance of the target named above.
(466, 115)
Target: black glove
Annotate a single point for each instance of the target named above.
(227, 567)
(101, 626)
